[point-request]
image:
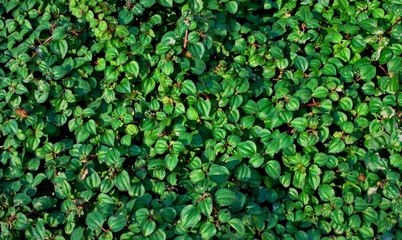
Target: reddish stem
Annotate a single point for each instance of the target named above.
(205, 95)
(54, 176)
(186, 39)
(47, 40)
(385, 71)
(256, 45)
(310, 105)
(396, 22)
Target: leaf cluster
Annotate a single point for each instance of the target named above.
(200, 119)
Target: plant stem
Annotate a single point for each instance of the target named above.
(396, 22)
(186, 39)
(385, 71)
(47, 40)
(310, 105)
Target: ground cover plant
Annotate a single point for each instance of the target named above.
(200, 119)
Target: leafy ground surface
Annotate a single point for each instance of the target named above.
(162, 119)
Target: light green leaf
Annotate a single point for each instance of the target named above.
(95, 220)
(225, 197)
(189, 216)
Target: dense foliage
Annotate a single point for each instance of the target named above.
(199, 119)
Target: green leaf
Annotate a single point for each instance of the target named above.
(273, 169)
(21, 199)
(293, 104)
(132, 68)
(177, 147)
(320, 92)
(10, 127)
(329, 70)
(124, 86)
(366, 232)
(192, 114)
(162, 48)
(111, 53)
(122, 31)
(82, 87)
(374, 162)
(43, 203)
(95, 220)
(218, 174)
(59, 47)
(147, 227)
(203, 107)
(300, 124)
(207, 230)
(108, 138)
(393, 65)
(165, 3)
(39, 231)
(161, 146)
(38, 179)
(305, 14)
(125, 17)
(158, 234)
(11, 5)
(59, 33)
(90, 126)
(344, 54)
(301, 63)
(198, 66)
(346, 103)
(196, 5)
(171, 161)
(117, 222)
(59, 72)
(337, 217)
(81, 134)
(367, 72)
(333, 37)
(63, 190)
(122, 181)
(247, 149)
(237, 225)
(92, 180)
(189, 88)
(354, 222)
(205, 206)
(189, 216)
(276, 52)
(148, 85)
(225, 197)
(77, 234)
(336, 146)
(167, 67)
(196, 49)
(344, 4)
(231, 7)
(370, 215)
(326, 192)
